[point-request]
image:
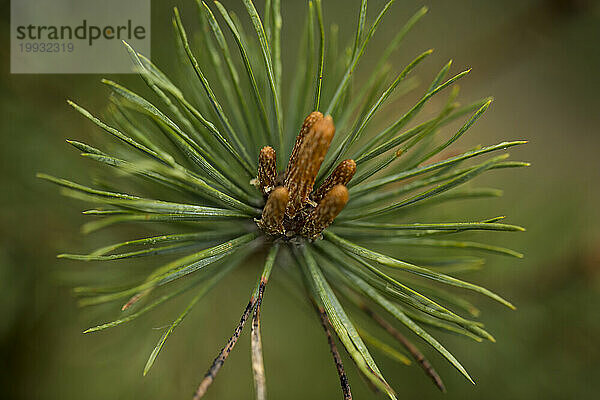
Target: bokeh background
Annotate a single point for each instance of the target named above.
(540, 59)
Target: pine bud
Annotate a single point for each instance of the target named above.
(267, 169)
(332, 204)
(274, 211)
(310, 156)
(341, 175)
(309, 121)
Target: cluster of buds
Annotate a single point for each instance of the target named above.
(292, 207)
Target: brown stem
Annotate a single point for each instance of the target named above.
(258, 367)
(210, 375)
(335, 353)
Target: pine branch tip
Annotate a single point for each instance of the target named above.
(291, 204)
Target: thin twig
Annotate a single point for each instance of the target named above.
(258, 367)
(411, 348)
(210, 375)
(335, 353)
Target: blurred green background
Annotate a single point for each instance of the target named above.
(540, 59)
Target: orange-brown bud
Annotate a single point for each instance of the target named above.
(309, 121)
(332, 204)
(267, 169)
(341, 175)
(303, 172)
(274, 211)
